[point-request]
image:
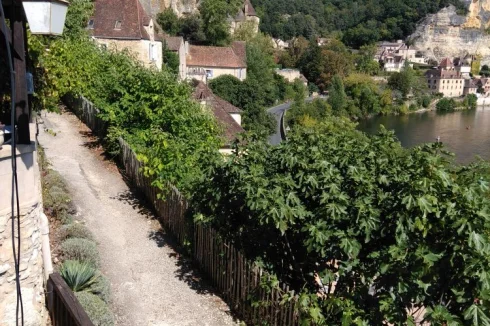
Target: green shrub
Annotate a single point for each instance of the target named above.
(55, 196)
(96, 309)
(78, 276)
(75, 230)
(446, 104)
(101, 287)
(426, 101)
(80, 249)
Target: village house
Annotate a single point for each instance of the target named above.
(393, 56)
(446, 79)
(291, 75)
(227, 115)
(463, 65)
(280, 44)
(470, 86)
(204, 63)
(124, 24)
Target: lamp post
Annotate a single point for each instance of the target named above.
(45, 17)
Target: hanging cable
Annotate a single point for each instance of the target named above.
(15, 185)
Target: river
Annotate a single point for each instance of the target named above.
(465, 133)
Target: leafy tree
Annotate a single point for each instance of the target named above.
(470, 101)
(171, 59)
(446, 104)
(357, 22)
(169, 21)
(364, 231)
(320, 64)
(77, 18)
(215, 15)
(402, 81)
(191, 28)
(365, 60)
(336, 95)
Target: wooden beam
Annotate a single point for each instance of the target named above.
(21, 100)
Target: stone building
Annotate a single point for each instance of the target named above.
(246, 15)
(125, 25)
(31, 231)
(446, 79)
(291, 75)
(393, 56)
(207, 62)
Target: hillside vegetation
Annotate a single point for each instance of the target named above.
(357, 21)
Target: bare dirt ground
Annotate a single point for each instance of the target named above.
(152, 284)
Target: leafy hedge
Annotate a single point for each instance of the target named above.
(150, 109)
(361, 228)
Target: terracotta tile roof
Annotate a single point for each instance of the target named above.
(129, 13)
(443, 74)
(446, 63)
(214, 56)
(221, 110)
(173, 42)
(240, 49)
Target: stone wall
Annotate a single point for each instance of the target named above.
(31, 269)
(447, 34)
(139, 48)
(31, 263)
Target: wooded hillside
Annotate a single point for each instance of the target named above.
(359, 21)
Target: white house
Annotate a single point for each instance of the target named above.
(207, 62)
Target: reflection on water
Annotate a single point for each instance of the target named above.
(466, 133)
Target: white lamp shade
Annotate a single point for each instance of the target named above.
(46, 17)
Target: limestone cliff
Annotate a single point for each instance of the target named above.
(449, 34)
(180, 7)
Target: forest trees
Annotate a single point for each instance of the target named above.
(358, 22)
(363, 230)
(209, 26)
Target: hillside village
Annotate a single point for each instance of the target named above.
(232, 162)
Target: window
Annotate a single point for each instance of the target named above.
(152, 53)
(91, 24)
(118, 24)
(209, 73)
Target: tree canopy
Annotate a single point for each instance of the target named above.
(359, 22)
(366, 232)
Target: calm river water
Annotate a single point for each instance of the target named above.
(465, 133)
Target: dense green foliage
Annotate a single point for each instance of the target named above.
(97, 310)
(148, 108)
(470, 101)
(383, 228)
(358, 22)
(262, 88)
(209, 26)
(446, 104)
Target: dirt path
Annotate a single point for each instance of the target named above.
(151, 283)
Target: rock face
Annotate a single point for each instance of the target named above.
(447, 34)
(180, 7)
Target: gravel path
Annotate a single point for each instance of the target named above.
(151, 283)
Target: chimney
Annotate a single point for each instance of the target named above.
(246, 8)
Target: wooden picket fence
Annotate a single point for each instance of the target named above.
(87, 113)
(236, 278)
